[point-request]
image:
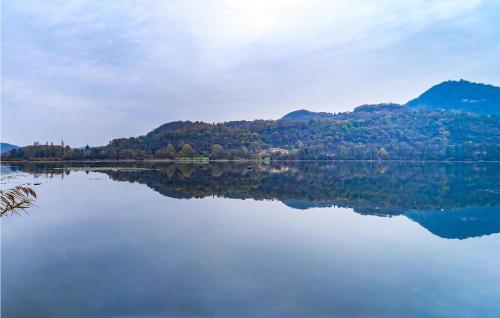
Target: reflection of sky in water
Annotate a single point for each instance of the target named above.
(99, 248)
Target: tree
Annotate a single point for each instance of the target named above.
(170, 151)
(217, 151)
(382, 153)
(21, 153)
(243, 151)
(186, 151)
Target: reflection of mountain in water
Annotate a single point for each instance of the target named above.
(460, 224)
(453, 223)
(456, 200)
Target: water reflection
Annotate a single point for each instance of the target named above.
(451, 200)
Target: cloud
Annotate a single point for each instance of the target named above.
(141, 63)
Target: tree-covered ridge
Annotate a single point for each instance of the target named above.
(461, 95)
(371, 132)
(6, 147)
(368, 133)
(430, 127)
(306, 115)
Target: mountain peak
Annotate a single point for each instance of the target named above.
(460, 95)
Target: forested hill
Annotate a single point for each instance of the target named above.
(460, 95)
(450, 95)
(455, 120)
(5, 147)
(371, 132)
(306, 115)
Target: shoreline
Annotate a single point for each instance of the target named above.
(2, 161)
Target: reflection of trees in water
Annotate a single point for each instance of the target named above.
(367, 187)
(371, 187)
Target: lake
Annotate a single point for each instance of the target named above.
(332, 239)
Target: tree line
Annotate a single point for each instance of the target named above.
(365, 134)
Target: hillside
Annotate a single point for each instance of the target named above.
(306, 115)
(462, 96)
(386, 132)
(420, 130)
(450, 95)
(369, 133)
(5, 147)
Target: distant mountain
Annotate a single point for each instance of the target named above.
(305, 115)
(5, 147)
(450, 95)
(462, 96)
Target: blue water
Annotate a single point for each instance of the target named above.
(147, 242)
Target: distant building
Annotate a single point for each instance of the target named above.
(280, 170)
(281, 151)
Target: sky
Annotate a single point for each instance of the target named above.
(90, 71)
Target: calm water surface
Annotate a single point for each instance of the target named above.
(227, 240)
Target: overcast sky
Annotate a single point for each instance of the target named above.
(90, 71)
